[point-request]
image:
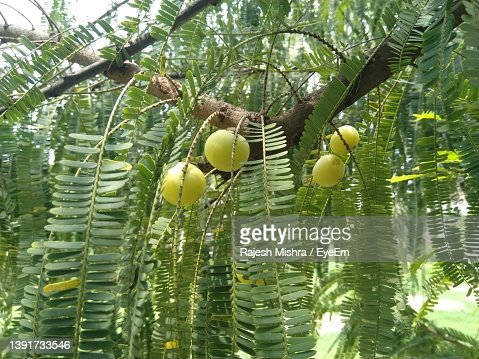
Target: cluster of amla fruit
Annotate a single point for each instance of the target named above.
(327, 172)
(218, 152)
(329, 169)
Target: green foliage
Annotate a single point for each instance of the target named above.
(471, 46)
(80, 180)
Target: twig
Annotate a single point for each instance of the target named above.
(279, 97)
(111, 10)
(156, 104)
(300, 85)
(315, 36)
(4, 20)
(263, 102)
(52, 23)
(19, 12)
(112, 89)
(298, 98)
(445, 337)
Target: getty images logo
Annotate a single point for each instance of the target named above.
(288, 232)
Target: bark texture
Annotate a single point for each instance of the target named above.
(376, 72)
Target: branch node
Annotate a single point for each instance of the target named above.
(222, 114)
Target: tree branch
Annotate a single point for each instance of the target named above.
(375, 72)
(95, 65)
(12, 33)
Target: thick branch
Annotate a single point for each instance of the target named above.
(12, 33)
(94, 64)
(376, 72)
(113, 71)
